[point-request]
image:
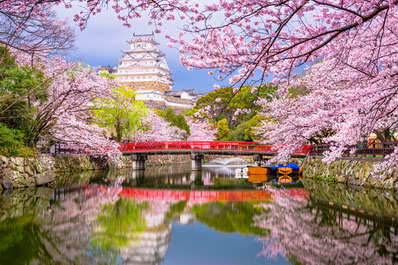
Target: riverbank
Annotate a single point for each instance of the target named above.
(354, 172)
(20, 172)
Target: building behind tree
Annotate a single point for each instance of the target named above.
(144, 68)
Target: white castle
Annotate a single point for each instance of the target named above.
(144, 68)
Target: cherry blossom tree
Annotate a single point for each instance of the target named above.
(351, 92)
(65, 114)
(201, 130)
(32, 26)
(342, 107)
(270, 36)
(157, 129)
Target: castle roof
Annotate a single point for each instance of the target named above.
(143, 38)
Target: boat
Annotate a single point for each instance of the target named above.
(281, 173)
(290, 169)
(260, 178)
(258, 174)
(261, 170)
(285, 179)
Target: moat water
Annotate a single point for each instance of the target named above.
(170, 215)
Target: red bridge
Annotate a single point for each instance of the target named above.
(204, 147)
(139, 151)
(197, 149)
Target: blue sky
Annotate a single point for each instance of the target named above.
(104, 38)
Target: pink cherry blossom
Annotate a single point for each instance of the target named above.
(201, 130)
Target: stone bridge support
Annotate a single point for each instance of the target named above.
(258, 159)
(138, 161)
(196, 161)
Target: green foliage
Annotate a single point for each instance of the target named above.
(229, 217)
(245, 130)
(107, 75)
(18, 242)
(222, 129)
(243, 99)
(177, 120)
(119, 224)
(12, 143)
(176, 209)
(10, 137)
(298, 91)
(121, 114)
(241, 127)
(23, 151)
(20, 86)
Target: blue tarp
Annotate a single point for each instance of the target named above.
(293, 166)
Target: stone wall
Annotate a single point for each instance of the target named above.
(19, 172)
(355, 172)
(161, 160)
(154, 85)
(208, 158)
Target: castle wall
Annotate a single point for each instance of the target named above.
(148, 85)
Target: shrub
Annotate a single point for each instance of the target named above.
(12, 143)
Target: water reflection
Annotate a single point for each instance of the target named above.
(182, 177)
(336, 225)
(114, 224)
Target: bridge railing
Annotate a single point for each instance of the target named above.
(70, 148)
(203, 145)
(373, 149)
(362, 150)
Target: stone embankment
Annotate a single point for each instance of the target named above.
(161, 160)
(19, 172)
(356, 172)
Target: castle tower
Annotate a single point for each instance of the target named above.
(144, 66)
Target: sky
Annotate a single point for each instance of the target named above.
(104, 38)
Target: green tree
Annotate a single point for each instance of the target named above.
(229, 101)
(177, 120)
(245, 131)
(223, 129)
(224, 103)
(121, 113)
(22, 91)
(11, 140)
